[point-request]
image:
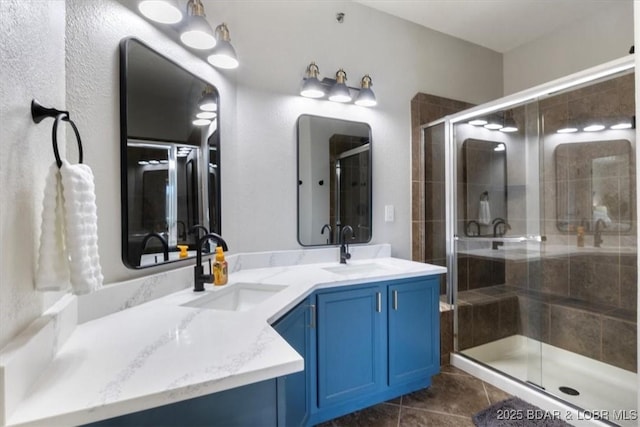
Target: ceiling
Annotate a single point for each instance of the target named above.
(500, 25)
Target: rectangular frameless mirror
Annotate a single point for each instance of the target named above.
(170, 162)
(485, 187)
(334, 180)
(594, 184)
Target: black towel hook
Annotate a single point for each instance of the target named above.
(39, 112)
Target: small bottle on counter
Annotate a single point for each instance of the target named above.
(580, 236)
(183, 251)
(220, 272)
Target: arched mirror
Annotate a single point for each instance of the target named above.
(334, 180)
(170, 162)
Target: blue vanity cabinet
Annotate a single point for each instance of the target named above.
(351, 341)
(250, 405)
(414, 330)
(293, 389)
(362, 345)
(375, 342)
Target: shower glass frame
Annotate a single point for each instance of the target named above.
(532, 96)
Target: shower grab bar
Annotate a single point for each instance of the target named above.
(517, 239)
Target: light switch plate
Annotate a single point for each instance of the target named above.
(388, 213)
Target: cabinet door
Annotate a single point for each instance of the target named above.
(293, 389)
(414, 330)
(351, 334)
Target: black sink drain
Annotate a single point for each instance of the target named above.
(570, 391)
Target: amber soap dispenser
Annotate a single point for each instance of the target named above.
(220, 272)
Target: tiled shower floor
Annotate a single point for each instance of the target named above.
(451, 401)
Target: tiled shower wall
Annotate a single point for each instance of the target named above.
(428, 178)
(427, 197)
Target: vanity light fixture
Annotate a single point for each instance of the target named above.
(162, 11)
(500, 147)
(339, 91)
(208, 101)
(311, 86)
(223, 54)
(366, 97)
(197, 33)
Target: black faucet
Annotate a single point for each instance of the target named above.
(195, 231)
(328, 227)
(496, 223)
(182, 235)
(344, 247)
(199, 278)
(469, 224)
(163, 241)
(597, 233)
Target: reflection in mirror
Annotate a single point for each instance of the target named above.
(485, 187)
(594, 186)
(334, 180)
(170, 162)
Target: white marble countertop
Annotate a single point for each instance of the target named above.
(161, 352)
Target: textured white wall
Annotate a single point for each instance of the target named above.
(588, 42)
(259, 107)
(276, 40)
(32, 66)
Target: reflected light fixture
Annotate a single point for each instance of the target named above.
(568, 129)
(510, 124)
(162, 11)
(500, 147)
(223, 54)
(201, 122)
(493, 124)
(311, 86)
(366, 97)
(619, 126)
(478, 122)
(208, 101)
(206, 115)
(623, 123)
(339, 91)
(593, 128)
(197, 32)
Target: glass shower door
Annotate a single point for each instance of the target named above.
(498, 242)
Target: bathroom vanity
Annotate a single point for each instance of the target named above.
(306, 340)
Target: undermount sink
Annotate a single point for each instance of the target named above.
(347, 269)
(236, 297)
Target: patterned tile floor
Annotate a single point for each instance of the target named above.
(451, 401)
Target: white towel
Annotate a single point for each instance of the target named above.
(484, 213)
(69, 240)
